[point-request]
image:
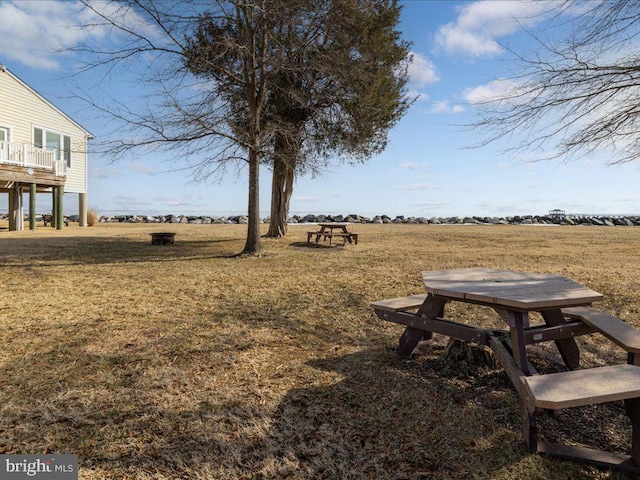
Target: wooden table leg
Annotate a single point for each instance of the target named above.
(347, 236)
(517, 324)
(529, 426)
(432, 307)
(632, 406)
(567, 346)
(408, 341)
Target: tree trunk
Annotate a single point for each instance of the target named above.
(286, 150)
(281, 191)
(253, 245)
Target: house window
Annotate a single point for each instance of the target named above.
(60, 144)
(4, 148)
(37, 138)
(66, 150)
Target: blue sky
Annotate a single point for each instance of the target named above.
(427, 169)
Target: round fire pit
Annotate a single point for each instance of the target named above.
(162, 238)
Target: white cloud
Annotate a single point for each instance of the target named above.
(26, 37)
(480, 24)
(105, 173)
(432, 205)
(445, 107)
(417, 95)
(306, 199)
(36, 33)
(421, 72)
(144, 169)
(121, 14)
(176, 202)
(412, 166)
(420, 186)
(129, 202)
(500, 89)
(632, 200)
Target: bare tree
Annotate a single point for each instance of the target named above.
(579, 94)
(217, 120)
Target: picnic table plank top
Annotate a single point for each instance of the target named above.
(518, 290)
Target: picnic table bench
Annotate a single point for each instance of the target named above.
(47, 218)
(565, 309)
(327, 232)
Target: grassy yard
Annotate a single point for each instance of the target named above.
(181, 362)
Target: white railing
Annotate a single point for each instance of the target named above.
(60, 168)
(28, 156)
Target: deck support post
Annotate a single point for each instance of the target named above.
(82, 209)
(54, 209)
(32, 206)
(59, 208)
(16, 211)
(11, 206)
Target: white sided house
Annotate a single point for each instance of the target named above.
(42, 150)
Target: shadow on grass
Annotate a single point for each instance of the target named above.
(380, 421)
(108, 415)
(106, 250)
(430, 419)
(317, 245)
(212, 399)
(382, 418)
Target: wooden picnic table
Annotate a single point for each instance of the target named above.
(327, 232)
(513, 295)
(565, 308)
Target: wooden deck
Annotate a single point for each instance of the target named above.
(11, 174)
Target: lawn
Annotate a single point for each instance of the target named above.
(182, 362)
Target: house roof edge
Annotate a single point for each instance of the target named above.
(4, 69)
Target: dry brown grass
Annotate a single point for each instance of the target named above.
(92, 218)
(180, 362)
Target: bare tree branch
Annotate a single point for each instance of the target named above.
(577, 95)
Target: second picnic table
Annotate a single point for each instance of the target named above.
(327, 231)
